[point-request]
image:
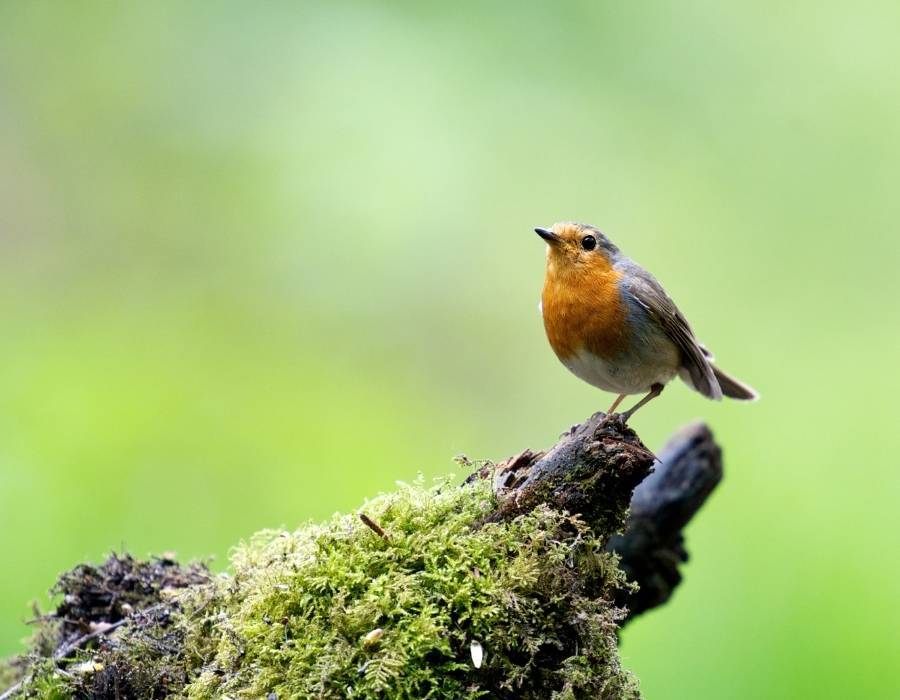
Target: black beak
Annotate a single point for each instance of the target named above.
(548, 236)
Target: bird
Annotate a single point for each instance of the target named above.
(612, 324)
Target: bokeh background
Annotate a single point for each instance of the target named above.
(259, 261)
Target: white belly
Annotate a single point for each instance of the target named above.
(631, 373)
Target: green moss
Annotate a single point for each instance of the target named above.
(51, 685)
(294, 618)
(338, 611)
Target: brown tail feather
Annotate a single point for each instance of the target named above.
(734, 389)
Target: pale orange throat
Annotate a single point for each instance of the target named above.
(583, 310)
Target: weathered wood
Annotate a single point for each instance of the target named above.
(599, 468)
(592, 471)
(652, 545)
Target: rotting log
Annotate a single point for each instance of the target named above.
(125, 629)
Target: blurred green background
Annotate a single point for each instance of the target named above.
(259, 261)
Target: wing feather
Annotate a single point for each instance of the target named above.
(650, 295)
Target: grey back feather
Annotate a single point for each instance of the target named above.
(649, 295)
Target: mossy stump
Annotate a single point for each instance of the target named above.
(503, 588)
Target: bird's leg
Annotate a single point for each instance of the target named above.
(612, 409)
(655, 391)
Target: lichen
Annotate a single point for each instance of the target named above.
(340, 611)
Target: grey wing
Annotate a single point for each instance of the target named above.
(649, 295)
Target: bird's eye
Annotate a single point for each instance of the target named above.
(588, 242)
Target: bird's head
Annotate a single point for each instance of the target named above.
(577, 247)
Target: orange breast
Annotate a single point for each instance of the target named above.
(583, 309)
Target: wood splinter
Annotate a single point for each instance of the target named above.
(372, 525)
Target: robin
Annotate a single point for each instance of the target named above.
(612, 324)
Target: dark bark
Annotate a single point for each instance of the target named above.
(600, 467)
(652, 545)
